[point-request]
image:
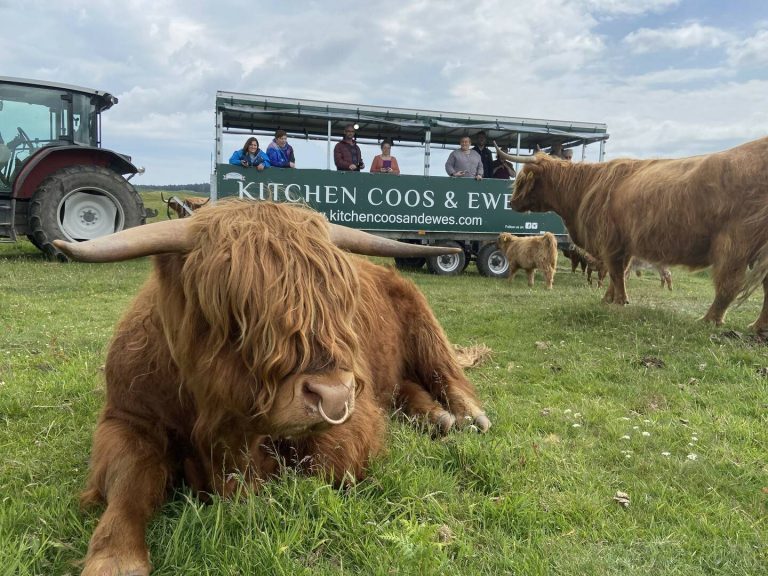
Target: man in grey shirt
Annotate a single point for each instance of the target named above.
(464, 162)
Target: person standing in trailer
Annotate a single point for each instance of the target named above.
(250, 156)
(280, 152)
(347, 155)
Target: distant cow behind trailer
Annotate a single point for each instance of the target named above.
(183, 207)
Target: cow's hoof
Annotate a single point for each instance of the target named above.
(444, 422)
(482, 422)
(710, 318)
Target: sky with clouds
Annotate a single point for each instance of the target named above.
(668, 77)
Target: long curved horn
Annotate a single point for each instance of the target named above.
(512, 157)
(174, 236)
(155, 238)
(361, 242)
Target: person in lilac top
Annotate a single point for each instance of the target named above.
(280, 152)
(464, 163)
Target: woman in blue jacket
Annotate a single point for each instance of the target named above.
(280, 152)
(250, 155)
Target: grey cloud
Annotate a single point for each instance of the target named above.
(690, 36)
(552, 59)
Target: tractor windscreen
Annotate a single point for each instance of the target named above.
(31, 117)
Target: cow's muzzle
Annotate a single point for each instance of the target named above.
(333, 398)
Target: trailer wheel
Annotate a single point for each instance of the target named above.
(81, 203)
(447, 264)
(492, 262)
(409, 263)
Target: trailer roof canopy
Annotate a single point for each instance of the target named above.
(258, 113)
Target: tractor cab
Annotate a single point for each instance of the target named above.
(32, 117)
(55, 179)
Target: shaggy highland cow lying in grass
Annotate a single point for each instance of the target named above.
(529, 253)
(257, 340)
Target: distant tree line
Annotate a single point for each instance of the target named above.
(198, 188)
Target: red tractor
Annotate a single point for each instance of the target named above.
(55, 179)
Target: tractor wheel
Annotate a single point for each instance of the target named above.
(447, 264)
(409, 263)
(81, 203)
(492, 262)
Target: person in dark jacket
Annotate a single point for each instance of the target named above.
(347, 155)
(485, 154)
(280, 152)
(250, 156)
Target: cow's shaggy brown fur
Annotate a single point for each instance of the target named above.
(200, 371)
(529, 253)
(696, 212)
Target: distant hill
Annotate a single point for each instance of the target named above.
(197, 188)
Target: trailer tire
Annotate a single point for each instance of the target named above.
(492, 262)
(410, 263)
(448, 264)
(81, 203)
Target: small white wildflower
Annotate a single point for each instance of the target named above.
(576, 425)
(667, 454)
(647, 421)
(625, 418)
(567, 411)
(694, 439)
(691, 444)
(646, 433)
(626, 437)
(635, 427)
(627, 455)
(692, 456)
(577, 415)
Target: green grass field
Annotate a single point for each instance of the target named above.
(586, 400)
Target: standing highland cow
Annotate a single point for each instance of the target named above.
(257, 339)
(529, 253)
(696, 212)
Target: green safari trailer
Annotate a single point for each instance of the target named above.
(412, 208)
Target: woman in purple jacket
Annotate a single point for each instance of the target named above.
(280, 152)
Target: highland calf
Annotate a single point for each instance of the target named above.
(573, 253)
(637, 266)
(257, 340)
(529, 253)
(696, 212)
